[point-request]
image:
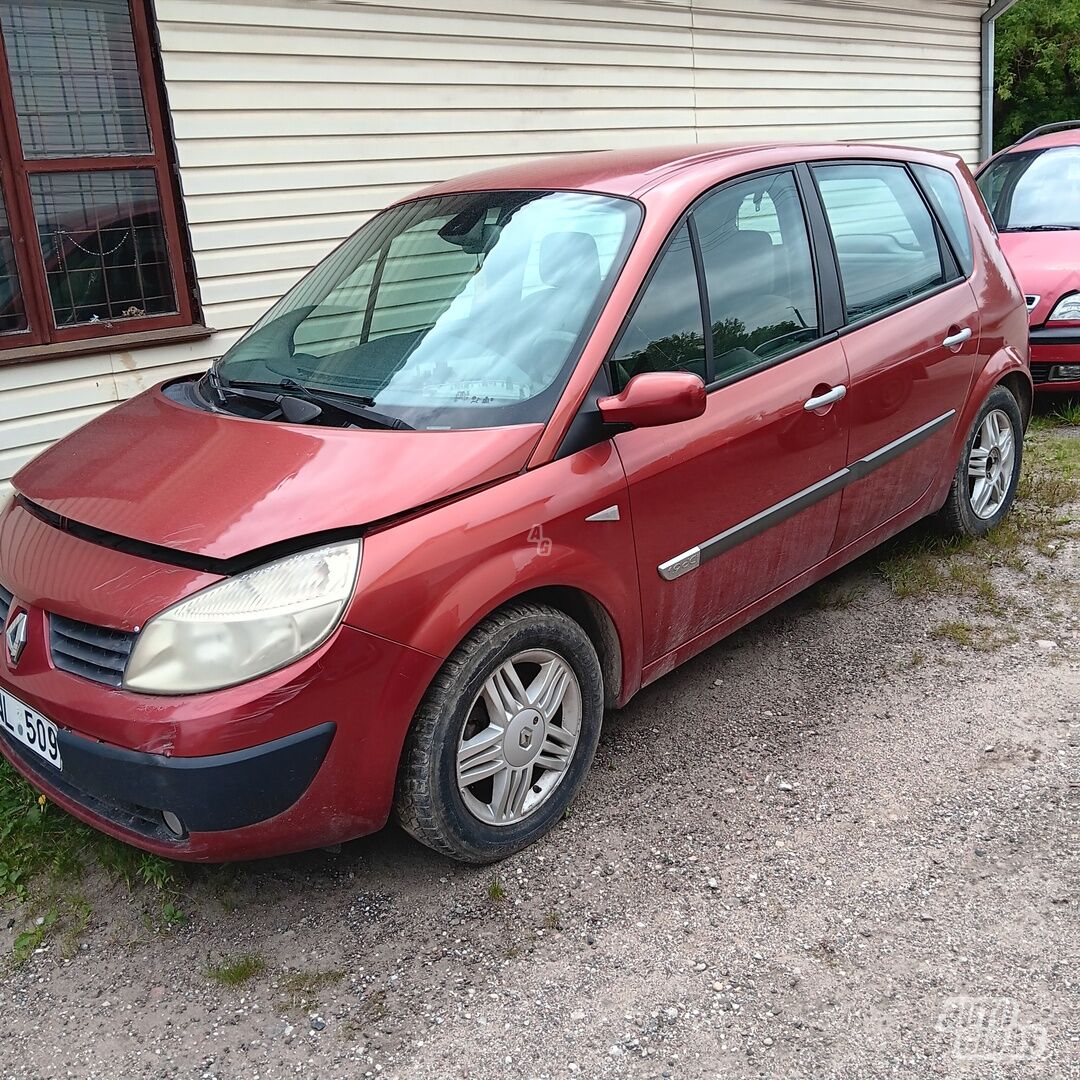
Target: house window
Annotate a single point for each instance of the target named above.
(90, 242)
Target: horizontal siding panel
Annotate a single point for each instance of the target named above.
(345, 71)
(646, 51)
(358, 150)
(552, 20)
(254, 232)
(799, 79)
(369, 123)
(332, 97)
(256, 285)
(253, 209)
(224, 262)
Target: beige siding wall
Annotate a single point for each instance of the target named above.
(295, 120)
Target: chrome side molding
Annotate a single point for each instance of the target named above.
(753, 526)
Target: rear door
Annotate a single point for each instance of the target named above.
(911, 336)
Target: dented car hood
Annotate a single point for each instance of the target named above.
(215, 485)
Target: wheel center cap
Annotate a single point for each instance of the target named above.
(523, 739)
(992, 463)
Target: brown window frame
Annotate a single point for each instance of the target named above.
(15, 173)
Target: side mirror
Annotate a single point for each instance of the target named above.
(655, 398)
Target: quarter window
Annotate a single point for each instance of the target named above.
(666, 331)
(886, 243)
(759, 273)
(945, 197)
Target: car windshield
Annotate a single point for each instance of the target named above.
(454, 311)
(1035, 189)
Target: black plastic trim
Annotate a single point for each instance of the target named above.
(1065, 335)
(208, 794)
(247, 560)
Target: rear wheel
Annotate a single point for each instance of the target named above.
(504, 736)
(984, 485)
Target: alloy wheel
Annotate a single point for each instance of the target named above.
(519, 737)
(990, 464)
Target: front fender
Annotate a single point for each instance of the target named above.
(426, 582)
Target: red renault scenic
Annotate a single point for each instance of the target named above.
(1033, 191)
(520, 446)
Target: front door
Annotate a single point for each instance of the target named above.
(732, 505)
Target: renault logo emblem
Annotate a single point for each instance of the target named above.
(525, 738)
(15, 636)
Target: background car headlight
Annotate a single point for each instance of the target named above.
(246, 625)
(1066, 310)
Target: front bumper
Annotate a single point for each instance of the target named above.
(134, 790)
(304, 757)
(1051, 350)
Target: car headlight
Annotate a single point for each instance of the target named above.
(1067, 309)
(245, 626)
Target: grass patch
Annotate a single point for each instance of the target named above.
(1062, 414)
(959, 633)
(302, 988)
(41, 848)
(920, 564)
(496, 890)
(980, 638)
(238, 970)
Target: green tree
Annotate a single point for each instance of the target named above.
(1037, 70)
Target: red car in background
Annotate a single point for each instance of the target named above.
(523, 444)
(1033, 191)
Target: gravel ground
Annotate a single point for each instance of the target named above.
(832, 846)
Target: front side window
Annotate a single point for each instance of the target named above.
(1034, 190)
(447, 312)
(759, 273)
(885, 239)
(89, 239)
(666, 331)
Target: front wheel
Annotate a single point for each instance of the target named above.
(984, 485)
(504, 736)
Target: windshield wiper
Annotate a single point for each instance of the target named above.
(298, 401)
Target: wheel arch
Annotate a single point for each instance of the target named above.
(591, 615)
(1021, 389)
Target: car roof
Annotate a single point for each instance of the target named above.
(1045, 142)
(630, 172)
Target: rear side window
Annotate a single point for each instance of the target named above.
(886, 243)
(755, 250)
(944, 195)
(666, 332)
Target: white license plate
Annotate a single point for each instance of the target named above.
(30, 728)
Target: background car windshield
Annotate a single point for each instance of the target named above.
(455, 311)
(1040, 188)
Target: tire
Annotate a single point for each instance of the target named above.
(519, 777)
(976, 504)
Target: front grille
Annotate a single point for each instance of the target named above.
(5, 605)
(98, 653)
(1040, 373)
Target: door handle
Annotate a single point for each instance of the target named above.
(958, 338)
(837, 393)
